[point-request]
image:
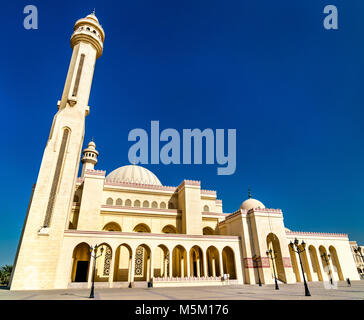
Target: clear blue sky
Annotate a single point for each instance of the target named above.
(293, 90)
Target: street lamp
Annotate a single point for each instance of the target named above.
(270, 254)
(299, 251)
(95, 256)
(256, 260)
(327, 259)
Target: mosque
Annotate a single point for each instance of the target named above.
(145, 233)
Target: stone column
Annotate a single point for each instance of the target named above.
(111, 271)
(90, 271)
(198, 265)
(132, 269)
(188, 264)
(213, 266)
(151, 265)
(314, 274)
(205, 265)
(220, 264)
(170, 265)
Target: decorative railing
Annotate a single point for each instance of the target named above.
(316, 234)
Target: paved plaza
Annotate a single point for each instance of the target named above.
(233, 292)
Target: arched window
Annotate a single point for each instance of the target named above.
(109, 201)
(141, 227)
(76, 198)
(112, 226)
(206, 209)
(119, 202)
(169, 229)
(163, 205)
(128, 203)
(145, 204)
(137, 203)
(208, 231)
(154, 204)
(170, 205)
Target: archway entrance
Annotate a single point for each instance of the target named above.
(228, 259)
(142, 263)
(196, 262)
(123, 260)
(336, 264)
(273, 243)
(161, 261)
(179, 258)
(81, 261)
(315, 263)
(213, 262)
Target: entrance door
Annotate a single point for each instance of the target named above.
(81, 271)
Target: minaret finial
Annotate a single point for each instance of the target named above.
(93, 12)
(92, 139)
(250, 195)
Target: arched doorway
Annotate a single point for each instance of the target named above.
(228, 262)
(142, 263)
(336, 264)
(315, 263)
(179, 259)
(294, 264)
(213, 262)
(273, 243)
(161, 262)
(103, 263)
(196, 262)
(123, 260)
(81, 261)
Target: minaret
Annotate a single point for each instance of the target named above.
(89, 158)
(39, 248)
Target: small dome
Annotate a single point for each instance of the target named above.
(133, 174)
(251, 204)
(91, 144)
(93, 17)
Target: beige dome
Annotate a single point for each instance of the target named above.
(133, 174)
(251, 204)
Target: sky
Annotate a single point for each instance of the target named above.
(269, 69)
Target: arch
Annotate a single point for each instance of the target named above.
(163, 205)
(170, 205)
(325, 262)
(228, 262)
(273, 243)
(196, 262)
(142, 227)
(119, 202)
(109, 201)
(213, 262)
(169, 229)
(137, 203)
(112, 226)
(294, 264)
(161, 262)
(206, 209)
(179, 261)
(143, 269)
(103, 263)
(145, 204)
(208, 231)
(154, 204)
(81, 262)
(122, 265)
(128, 203)
(315, 263)
(336, 263)
(305, 264)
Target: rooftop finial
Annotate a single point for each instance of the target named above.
(93, 12)
(250, 195)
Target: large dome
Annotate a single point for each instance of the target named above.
(133, 174)
(252, 204)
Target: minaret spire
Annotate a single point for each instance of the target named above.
(250, 195)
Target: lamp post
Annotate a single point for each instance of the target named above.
(270, 255)
(256, 260)
(95, 256)
(299, 251)
(327, 259)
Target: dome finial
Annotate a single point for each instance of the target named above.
(93, 12)
(250, 195)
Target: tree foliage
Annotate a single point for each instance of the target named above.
(5, 272)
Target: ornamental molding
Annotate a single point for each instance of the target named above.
(95, 172)
(108, 206)
(316, 234)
